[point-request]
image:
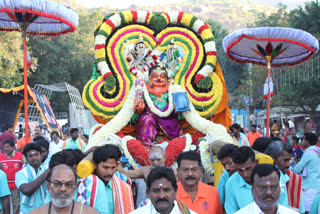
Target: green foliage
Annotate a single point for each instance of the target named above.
(110, 83)
(204, 83)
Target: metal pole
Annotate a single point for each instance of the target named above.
(268, 59)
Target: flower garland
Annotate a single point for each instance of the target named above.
(127, 153)
(153, 108)
(206, 156)
(175, 147)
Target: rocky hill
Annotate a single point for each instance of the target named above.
(232, 14)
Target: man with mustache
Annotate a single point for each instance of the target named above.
(61, 184)
(281, 154)
(30, 179)
(162, 189)
(238, 187)
(225, 157)
(119, 195)
(196, 195)
(266, 192)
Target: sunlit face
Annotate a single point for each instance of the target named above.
(38, 131)
(253, 129)
(156, 158)
(162, 195)
(189, 173)
(245, 169)
(74, 135)
(283, 161)
(266, 191)
(158, 78)
(293, 132)
(55, 137)
(105, 170)
(228, 165)
(61, 187)
(44, 153)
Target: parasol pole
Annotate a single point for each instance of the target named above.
(23, 27)
(268, 59)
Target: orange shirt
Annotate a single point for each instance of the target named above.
(22, 142)
(207, 199)
(253, 136)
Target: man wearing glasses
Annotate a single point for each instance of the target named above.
(266, 191)
(238, 187)
(61, 185)
(196, 195)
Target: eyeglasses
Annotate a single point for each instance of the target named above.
(58, 184)
(265, 188)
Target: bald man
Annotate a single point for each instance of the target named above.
(156, 157)
(61, 185)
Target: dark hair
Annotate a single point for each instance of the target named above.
(226, 151)
(243, 154)
(263, 170)
(86, 136)
(275, 139)
(254, 126)
(74, 130)
(261, 144)
(31, 146)
(108, 151)
(236, 126)
(54, 132)
(155, 67)
(37, 138)
(10, 142)
(276, 148)
(311, 138)
(43, 143)
(189, 155)
(295, 138)
(52, 169)
(67, 157)
(162, 172)
(77, 153)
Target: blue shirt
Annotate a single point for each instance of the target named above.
(238, 194)
(109, 200)
(311, 161)
(4, 188)
(38, 201)
(221, 186)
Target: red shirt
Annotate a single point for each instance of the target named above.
(253, 136)
(11, 167)
(206, 201)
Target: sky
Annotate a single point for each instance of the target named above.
(122, 4)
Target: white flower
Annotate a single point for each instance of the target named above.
(206, 70)
(141, 16)
(205, 156)
(127, 153)
(210, 46)
(153, 108)
(100, 40)
(116, 19)
(188, 142)
(103, 67)
(197, 25)
(173, 17)
(117, 123)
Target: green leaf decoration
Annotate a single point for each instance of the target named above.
(277, 50)
(109, 83)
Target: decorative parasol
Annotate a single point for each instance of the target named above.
(36, 17)
(270, 46)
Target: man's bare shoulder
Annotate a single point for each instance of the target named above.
(85, 209)
(40, 210)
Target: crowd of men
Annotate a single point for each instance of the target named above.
(40, 176)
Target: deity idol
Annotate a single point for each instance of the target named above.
(141, 58)
(149, 124)
(172, 59)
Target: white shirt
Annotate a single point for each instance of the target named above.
(57, 146)
(254, 209)
(149, 209)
